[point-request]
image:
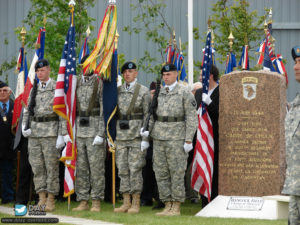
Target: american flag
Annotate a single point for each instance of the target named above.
(65, 105)
(202, 168)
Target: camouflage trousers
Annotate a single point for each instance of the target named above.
(130, 162)
(294, 210)
(169, 165)
(90, 170)
(44, 161)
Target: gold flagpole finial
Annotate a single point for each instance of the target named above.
(116, 39)
(230, 38)
(45, 20)
(88, 31)
(111, 2)
(209, 23)
(72, 3)
(23, 36)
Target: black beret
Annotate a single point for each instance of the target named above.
(2, 84)
(296, 52)
(128, 65)
(41, 63)
(168, 68)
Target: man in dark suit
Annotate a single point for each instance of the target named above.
(6, 143)
(212, 101)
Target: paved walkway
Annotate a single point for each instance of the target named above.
(62, 219)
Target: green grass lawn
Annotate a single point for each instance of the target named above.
(147, 216)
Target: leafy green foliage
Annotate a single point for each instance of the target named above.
(58, 20)
(151, 19)
(234, 16)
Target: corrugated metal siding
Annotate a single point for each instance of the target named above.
(286, 26)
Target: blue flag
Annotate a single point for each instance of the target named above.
(110, 100)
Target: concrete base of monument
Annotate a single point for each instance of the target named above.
(267, 207)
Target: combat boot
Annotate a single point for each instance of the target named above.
(126, 204)
(42, 198)
(136, 202)
(95, 206)
(83, 205)
(50, 204)
(165, 212)
(175, 210)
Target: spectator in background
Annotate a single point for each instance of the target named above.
(6, 143)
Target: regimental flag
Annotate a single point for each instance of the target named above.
(244, 60)
(101, 56)
(179, 63)
(65, 104)
(84, 50)
(22, 75)
(39, 54)
(279, 66)
(202, 168)
(230, 63)
(110, 100)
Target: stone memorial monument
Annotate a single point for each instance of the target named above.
(251, 146)
(251, 134)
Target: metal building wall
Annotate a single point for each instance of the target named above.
(286, 30)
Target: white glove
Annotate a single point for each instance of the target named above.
(109, 143)
(187, 147)
(206, 99)
(98, 140)
(60, 142)
(26, 133)
(144, 145)
(144, 133)
(67, 139)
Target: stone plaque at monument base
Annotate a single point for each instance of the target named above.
(251, 147)
(251, 134)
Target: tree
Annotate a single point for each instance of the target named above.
(57, 14)
(234, 16)
(150, 19)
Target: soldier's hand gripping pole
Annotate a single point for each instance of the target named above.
(31, 104)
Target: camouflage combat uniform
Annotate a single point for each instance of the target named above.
(45, 127)
(169, 136)
(129, 157)
(90, 165)
(292, 179)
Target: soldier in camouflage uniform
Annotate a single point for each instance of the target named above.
(133, 102)
(172, 131)
(42, 135)
(90, 164)
(292, 136)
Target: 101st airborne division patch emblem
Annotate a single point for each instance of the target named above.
(249, 87)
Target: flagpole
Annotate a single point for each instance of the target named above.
(190, 47)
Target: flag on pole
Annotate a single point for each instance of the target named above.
(39, 54)
(179, 63)
(84, 50)
(22, 75)
(101, 56)
(244, 60)
(170, 54)
(279, 66)
(110, 100)
(202, 167)
(267, 62)
(65, 104)
(230, 63)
